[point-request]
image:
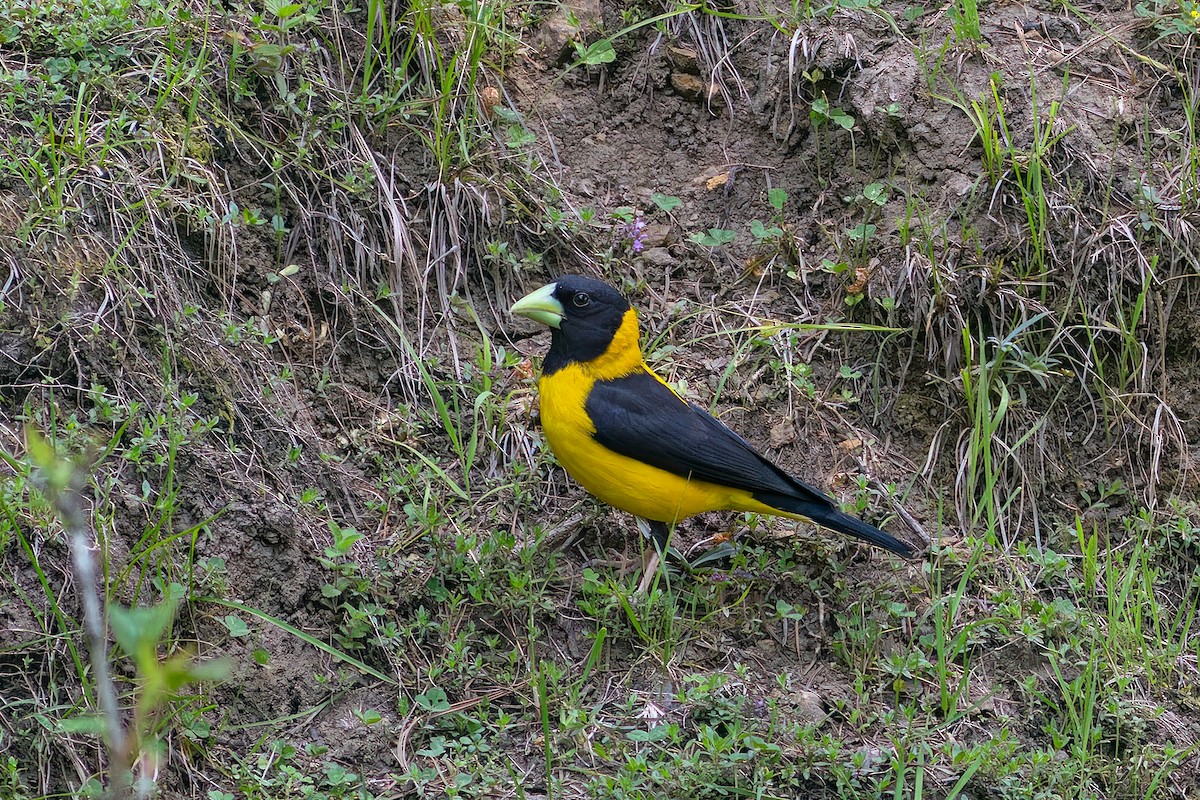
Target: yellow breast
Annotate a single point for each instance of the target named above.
(618, 480)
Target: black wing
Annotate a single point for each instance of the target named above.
(639, 417)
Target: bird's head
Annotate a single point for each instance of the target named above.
(588, 319)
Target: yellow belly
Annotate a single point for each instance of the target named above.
(618, 480)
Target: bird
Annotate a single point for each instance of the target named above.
(632, 441)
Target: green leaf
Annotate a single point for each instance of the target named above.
(56, 471)
(519, 137)
(715, 237)
(507, 114)
(343, 538)
(714, 555)
(369, 716)
(788, 611)
(281, 8)
(433, 700)
(777, 198)
(666, 202)
(178, 671)
(655, 734)
(761, 745)
(861, 232)
(92, 787)
(140, 630)
(235, 625)
(599, 52)
(87, 724)
(436, 748)
(761, 232)
(270, 52)
(212, 670)
(876, 193)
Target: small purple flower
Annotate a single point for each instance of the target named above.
(636, 232)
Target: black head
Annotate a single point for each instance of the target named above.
(584, 315)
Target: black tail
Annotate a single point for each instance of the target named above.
(827, 515)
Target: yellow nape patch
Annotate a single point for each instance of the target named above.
(623, 356)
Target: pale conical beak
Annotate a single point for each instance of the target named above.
(540, 306)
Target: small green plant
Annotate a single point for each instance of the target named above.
(774, 239)
(932, 60)
(139, 633)
(857, 284)
(771, 232)
(1029, 168)
(822, 112)
(965, 16)
(665, 202)
(599, 52)
(713, 237)
(872, 197)
(1172, 18)
(993, 382)
(764, 235)
(357, 597)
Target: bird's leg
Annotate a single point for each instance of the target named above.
(657, 532)
(660, 535)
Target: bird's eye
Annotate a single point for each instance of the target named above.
(580, 299)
